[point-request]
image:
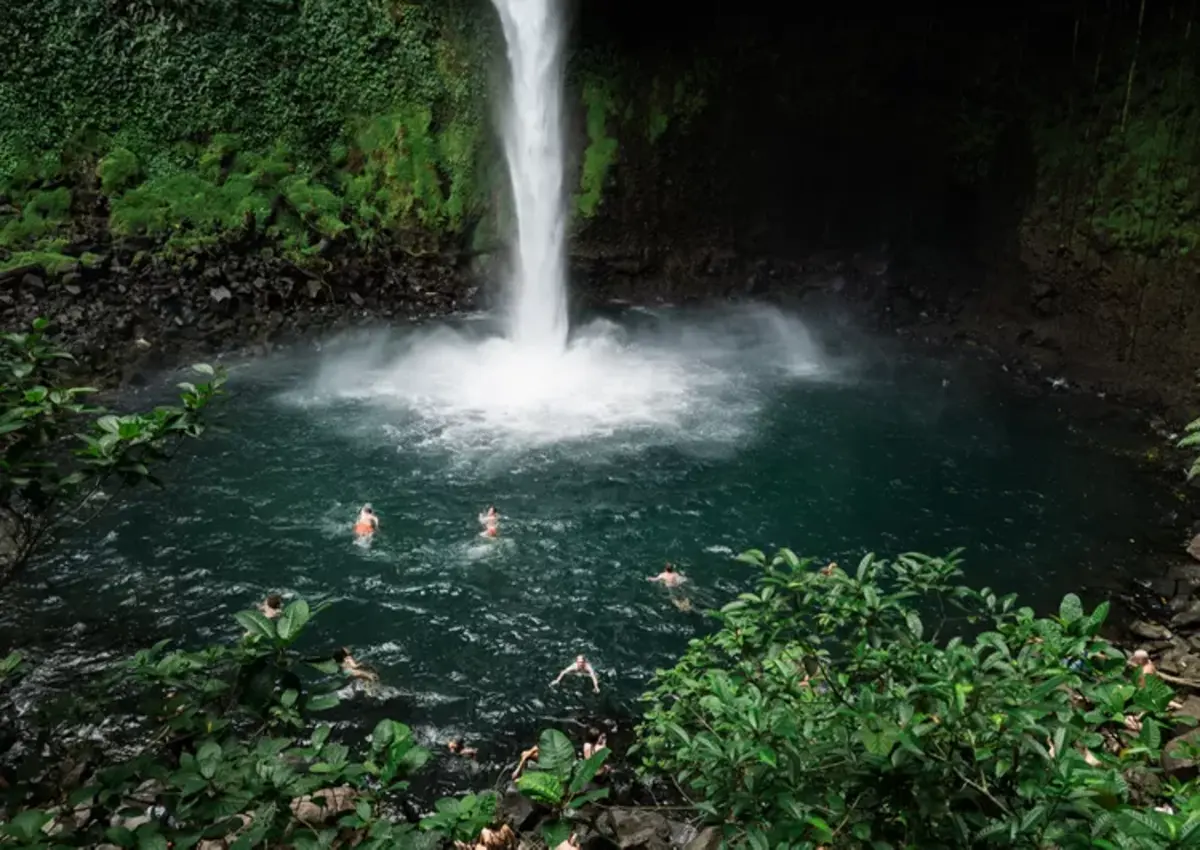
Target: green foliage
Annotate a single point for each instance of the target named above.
(226, 758)
(560, 782)
(1189, 440)
(461, 818)
(600, 101)
(830, 709)
(57, 451)
(117, 170)
(1130, 184)
(282, 88)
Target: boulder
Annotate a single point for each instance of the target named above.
(516, 810)
(709, 838)
(1188, 617)
(320, 806)
(1185, 570)
(1149, 631)
(635, 828)
(1175, 759)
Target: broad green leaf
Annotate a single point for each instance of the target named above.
(208, 756)
(555, 753)
(588, 797)
(27, 824)
(541, 787)
(555, 833)
(149, 838)
(292, 620)
(914, 624)
(322, 702)
(1071, 608)
(866, 562)
(203, 369)
(109, 423)
(256, 623)
(585, 770)
(754, 557)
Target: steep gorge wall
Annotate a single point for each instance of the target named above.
(1031, 172)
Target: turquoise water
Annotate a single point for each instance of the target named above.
(682, 437)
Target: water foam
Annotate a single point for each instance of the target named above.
(673, 380)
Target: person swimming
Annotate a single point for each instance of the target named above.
(272, 606)
(669, 577)
(352, 667)
(367, 522)
(459, 748)
(580, 666)
(491, 522)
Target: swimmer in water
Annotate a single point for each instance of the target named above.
(529, 755)
(669, 577)
(491, 522)
(580, 667)
(272, 606)
(458, 748)
(351, 667)
(367, 522)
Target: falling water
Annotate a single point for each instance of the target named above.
(533, 142)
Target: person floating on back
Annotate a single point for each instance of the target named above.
(580, 667)
(367, 522)
(491, 522)
(669, 577)
(272, 606)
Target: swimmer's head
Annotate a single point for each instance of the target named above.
(593, 735)
(455, 745)
(1141, 656)
(580, 661)
(367, 509)
(341, 654)
(669, 568)
(274, 601)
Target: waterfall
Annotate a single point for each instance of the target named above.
(533, 146)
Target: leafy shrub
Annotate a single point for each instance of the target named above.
(560, 782)
(224, 757)
(826, 711)
(57, 452)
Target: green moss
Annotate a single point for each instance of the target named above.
(50, 262)
(117, 170)
(600, 102)
(1136, 187)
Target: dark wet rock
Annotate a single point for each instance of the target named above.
(517, 811)
(33, 282)
(1184, 571)
(635, 828)
(1149, 631)
(1188, 617)
(1175, 760)
(708, 838)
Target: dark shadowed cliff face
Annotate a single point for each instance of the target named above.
(1026, 173)
(1031, 171)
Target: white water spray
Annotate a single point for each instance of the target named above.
(533, 144)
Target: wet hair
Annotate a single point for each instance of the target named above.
(669, 568)
(368, 509)
(455, 744)
(275, 601)
(593, 735)
(341, 654)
